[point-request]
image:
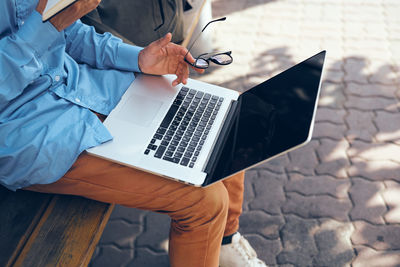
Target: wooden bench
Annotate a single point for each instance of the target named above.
(49, 230)
(54, 230)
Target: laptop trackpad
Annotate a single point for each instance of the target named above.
(140, 110)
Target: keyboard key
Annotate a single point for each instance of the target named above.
(184, 143)
(158, 136)
(164, 143)
(197, 133)
(167, 137)
(174, 142)
(184, 161)
(178, 154)
(188, 154)
(177, 102)
(174, 160)
(177, 138)
(199, 95)
(169, 116)
(193, 143)
(147, 151)
(152, 141)
(160, 151)
(169, 153)
(161, 130)
(184, 89)
(152, 147)
(191, 165)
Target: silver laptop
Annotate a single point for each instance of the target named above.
(200, 133)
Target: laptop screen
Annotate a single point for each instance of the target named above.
(271, 118)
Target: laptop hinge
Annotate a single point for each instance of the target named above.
(221, 140)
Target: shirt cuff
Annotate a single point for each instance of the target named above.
(128, 57)
(38, 34)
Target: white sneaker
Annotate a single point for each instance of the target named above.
(239, 253)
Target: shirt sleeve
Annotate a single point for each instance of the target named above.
(20, 55)
(103, 51)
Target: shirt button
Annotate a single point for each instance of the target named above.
(22, 22)
(77, 100)
(57, 78)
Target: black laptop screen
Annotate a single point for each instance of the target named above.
(271, 118)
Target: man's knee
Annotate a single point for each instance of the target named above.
(205, 206)
(214, 201)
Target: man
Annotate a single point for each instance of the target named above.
(56, 77)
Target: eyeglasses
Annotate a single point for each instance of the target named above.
(203, 60)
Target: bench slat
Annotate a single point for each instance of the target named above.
(19, 214)
(49, 230)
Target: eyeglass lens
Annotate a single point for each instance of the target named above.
(220, 59)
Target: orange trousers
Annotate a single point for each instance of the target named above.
(200, 217)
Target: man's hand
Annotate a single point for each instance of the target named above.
(163, 57)
(72, 13)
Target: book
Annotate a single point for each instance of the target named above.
(55, 6)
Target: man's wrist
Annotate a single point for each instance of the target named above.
(139, 56)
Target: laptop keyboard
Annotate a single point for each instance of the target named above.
(185, 127)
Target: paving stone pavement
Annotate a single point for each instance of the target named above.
(336, 201)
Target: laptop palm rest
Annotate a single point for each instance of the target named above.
(140, 110)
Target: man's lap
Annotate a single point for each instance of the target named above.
(105, 181)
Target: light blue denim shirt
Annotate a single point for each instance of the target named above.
(49, 83)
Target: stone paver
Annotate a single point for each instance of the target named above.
(335, 201)
(386, 237)
(369, 257)
(391, 195)
(368, 203)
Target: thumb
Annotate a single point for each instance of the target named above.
(164, 40)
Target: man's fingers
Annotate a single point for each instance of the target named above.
(182, 73)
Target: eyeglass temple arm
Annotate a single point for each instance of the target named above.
(215, 20)
(197, 37)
